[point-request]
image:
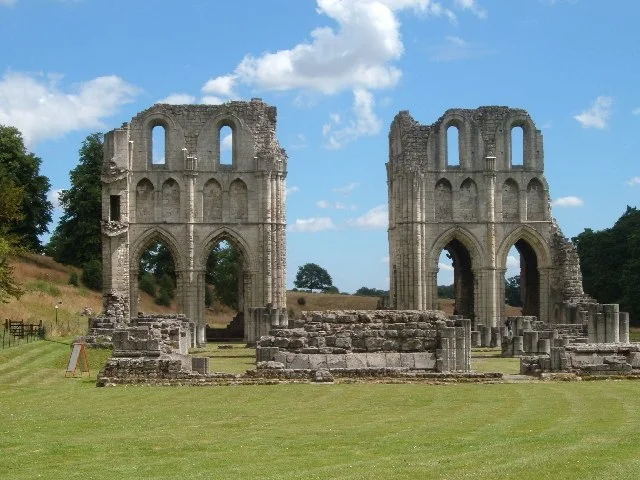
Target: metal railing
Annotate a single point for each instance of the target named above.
(18, 332)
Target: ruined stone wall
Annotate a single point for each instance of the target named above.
(476, 206)
(370, 339)
(191, 201)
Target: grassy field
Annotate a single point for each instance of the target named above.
(56, 427)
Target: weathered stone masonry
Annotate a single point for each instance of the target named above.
(476, 207)
(191, 202)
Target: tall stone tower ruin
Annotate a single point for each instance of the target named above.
(476, 207)
(190, 200)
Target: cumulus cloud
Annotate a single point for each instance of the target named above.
(178, 99)
(634, 181)
(40, 108)
(568, 202)
(311, 225)
(455, 48)
(445, 267)
(347, 189)
(365, 122)
(472, 6)
(54, 197)
(227, 142)
(322, 204)
(597, 115)
(377, 217)
(358, 54)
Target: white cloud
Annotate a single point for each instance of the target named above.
(598, 115)
(178, 99)
(445, 266)
(636, 111)
(366, 122)
(54, 197)
(40, 108)
(634, 181)
(7, 2)
(568, 202)
(227, 142)
(513, 263)
(347, 189)
(220, 86)
(355, 55)
(455, 48)
(322, 204)
(377, 217)
(313, 224)
(212, 100)
(472, 6)
(293, 189)
(299, 143)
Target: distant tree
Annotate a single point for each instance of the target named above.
(512, 292)
(609, 261)
(157, 262)
(371, 292)
(23, 170)
(312, 277)
(223, 267)
(92, 275)
(82, 209)
(331, 289)
(446, 291)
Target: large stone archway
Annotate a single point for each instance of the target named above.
(485, 200)
(187, 198)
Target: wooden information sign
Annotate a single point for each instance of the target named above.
(78, 355)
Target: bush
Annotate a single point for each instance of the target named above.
(331, 289)
(148, 284)
(163, 298)
(73, 279)
(302, 301)
(166, 283)
(92, 275)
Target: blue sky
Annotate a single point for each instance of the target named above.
(338, 72)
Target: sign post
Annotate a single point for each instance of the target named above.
(78, 355)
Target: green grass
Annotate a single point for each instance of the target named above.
(45, 287)
(56, 427)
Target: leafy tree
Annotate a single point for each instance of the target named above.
(223, 266)
(331, 289)
(371, 292)
(312, 277)
(23, 170)
(446, 291)
(609, 260)
(157, 263)
(10, 211)
(148, 283)
(82, 206)
(512, 295)
(92, 274)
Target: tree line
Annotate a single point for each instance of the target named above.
(609, 258)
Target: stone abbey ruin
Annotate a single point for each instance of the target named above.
(475, 207)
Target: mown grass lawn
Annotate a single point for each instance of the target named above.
(64, 428)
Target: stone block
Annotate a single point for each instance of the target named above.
(317, 362)
(407, 360)
(376, 360)
(200, 365)
(356, 360)
(424, 360)
(336, 361)
(343, 342)
(393, 360)
(300, 361)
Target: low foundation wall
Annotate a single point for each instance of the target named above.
(425, 340)
(585, 360)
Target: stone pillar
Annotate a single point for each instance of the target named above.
(518, 346)
(592, 328)
(530, 342)
(544, 346)
(624, 327)
(600, 328)
(612, 321)
(492, 308)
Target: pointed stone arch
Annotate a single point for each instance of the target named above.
(212, 201)
(468, 201)
(145, 201)
(510, 199)
(536, 200)
(170, 200)
(443, 205)
(238, 200)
